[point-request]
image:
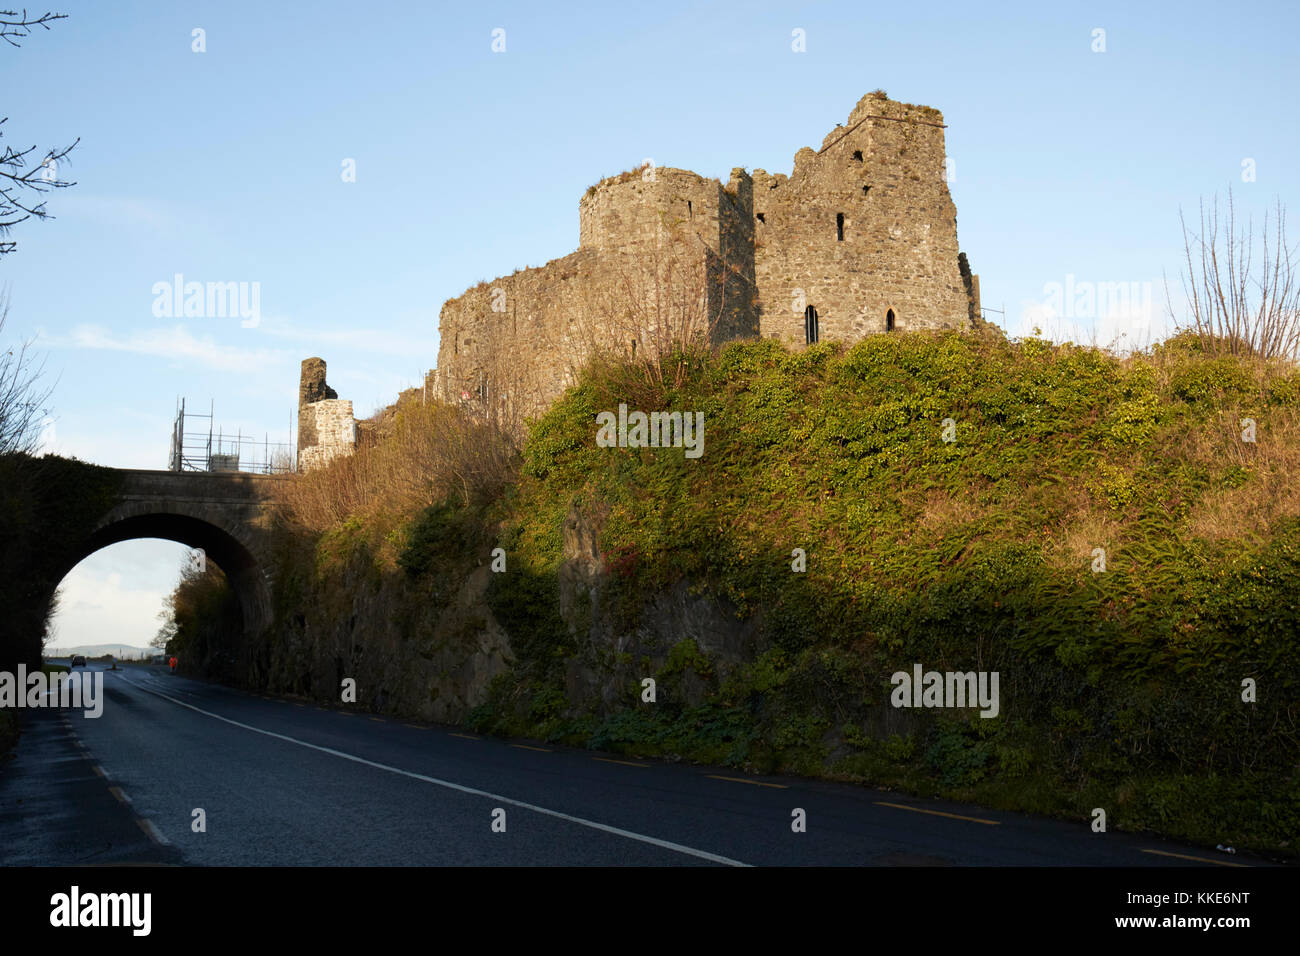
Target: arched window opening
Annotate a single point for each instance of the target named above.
(810, 325)
(889, 321)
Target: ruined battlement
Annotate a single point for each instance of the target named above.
(621, 214)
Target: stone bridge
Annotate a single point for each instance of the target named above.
(225, 514)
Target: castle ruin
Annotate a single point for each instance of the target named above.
(860, 239)
(326, 428)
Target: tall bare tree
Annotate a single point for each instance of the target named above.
(1240, 302)
(22, 396)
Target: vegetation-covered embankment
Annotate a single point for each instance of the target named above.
(1120, 688)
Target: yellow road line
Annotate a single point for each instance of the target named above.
(938, 813)
(415, 726)
(625, 763)
(1198, 859)
(121, 797)
(756, 783)
(98, 769)
(379, 719)
(526, 747)
(463, 736)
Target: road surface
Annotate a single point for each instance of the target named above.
(281, 782)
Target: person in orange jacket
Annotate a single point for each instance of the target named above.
(172, 662)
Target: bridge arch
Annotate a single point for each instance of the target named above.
(226, 515)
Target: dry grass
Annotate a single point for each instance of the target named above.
(1087, 530)
(1272, 491)
(423, 454)
(942, 510)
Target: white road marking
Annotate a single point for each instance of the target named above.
(604, 827)
(152, 832)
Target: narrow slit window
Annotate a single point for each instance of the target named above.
(690, 212)
(889, 321)
(866, 190)
(810, 325)
(839, 226)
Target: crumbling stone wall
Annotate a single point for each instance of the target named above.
(326, 428)
(862, 228)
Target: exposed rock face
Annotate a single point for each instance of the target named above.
(612, 661)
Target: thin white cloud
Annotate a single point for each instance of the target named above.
(99, 604)
(175, 344)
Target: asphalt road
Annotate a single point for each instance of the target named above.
(282, 782)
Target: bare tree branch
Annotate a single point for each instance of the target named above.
(14, 26)
(21, 175)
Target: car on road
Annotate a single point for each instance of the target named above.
(78, 661)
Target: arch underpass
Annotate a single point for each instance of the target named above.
(225, 514)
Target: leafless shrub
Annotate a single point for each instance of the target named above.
(1239, 304)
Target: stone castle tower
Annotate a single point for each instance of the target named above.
(326, 428)
(860, 238)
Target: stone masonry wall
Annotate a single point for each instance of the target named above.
(335, 429)
(884, 174)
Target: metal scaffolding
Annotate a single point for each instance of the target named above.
(200, 448)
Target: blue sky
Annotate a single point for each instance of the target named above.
(225, 166)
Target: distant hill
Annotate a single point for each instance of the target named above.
(121, 651)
